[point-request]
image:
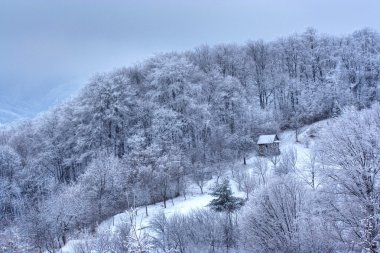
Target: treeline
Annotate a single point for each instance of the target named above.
(139, 134)
(323, 201)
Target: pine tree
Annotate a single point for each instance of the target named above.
(224, 201)
(228, 204)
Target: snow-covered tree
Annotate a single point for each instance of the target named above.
(225, 201)
(350, 153)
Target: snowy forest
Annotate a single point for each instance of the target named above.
(185, 123)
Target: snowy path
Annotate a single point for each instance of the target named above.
(194, 200)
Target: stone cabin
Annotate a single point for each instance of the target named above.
(269, 145)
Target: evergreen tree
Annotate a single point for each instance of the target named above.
(224, 201)
(227, 204)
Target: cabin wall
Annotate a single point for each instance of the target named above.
(269, 149)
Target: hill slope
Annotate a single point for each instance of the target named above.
(194, 200)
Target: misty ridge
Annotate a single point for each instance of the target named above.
(183, 127)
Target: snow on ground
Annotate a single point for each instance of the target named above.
(174, 206)
(306, 140)
(177, 205)
(195, 200)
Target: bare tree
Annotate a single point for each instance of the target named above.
(311, 171)
(200, 175)
(248, 183)
(288, 162)
(350, 152)
(275, 220)
(261, 169)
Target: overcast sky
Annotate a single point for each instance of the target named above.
(49, 48)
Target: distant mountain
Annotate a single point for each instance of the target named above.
(7, 116)
(14, 108)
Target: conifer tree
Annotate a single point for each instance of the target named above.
(224, 201)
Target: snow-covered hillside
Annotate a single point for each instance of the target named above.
(195, 200)
(167, 126)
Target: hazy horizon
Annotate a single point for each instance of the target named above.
(50, 49)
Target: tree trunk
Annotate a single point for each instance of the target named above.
(370, 231)
(64, 239)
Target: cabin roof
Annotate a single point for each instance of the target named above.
(267, 139)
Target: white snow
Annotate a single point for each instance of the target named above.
(266, 139)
